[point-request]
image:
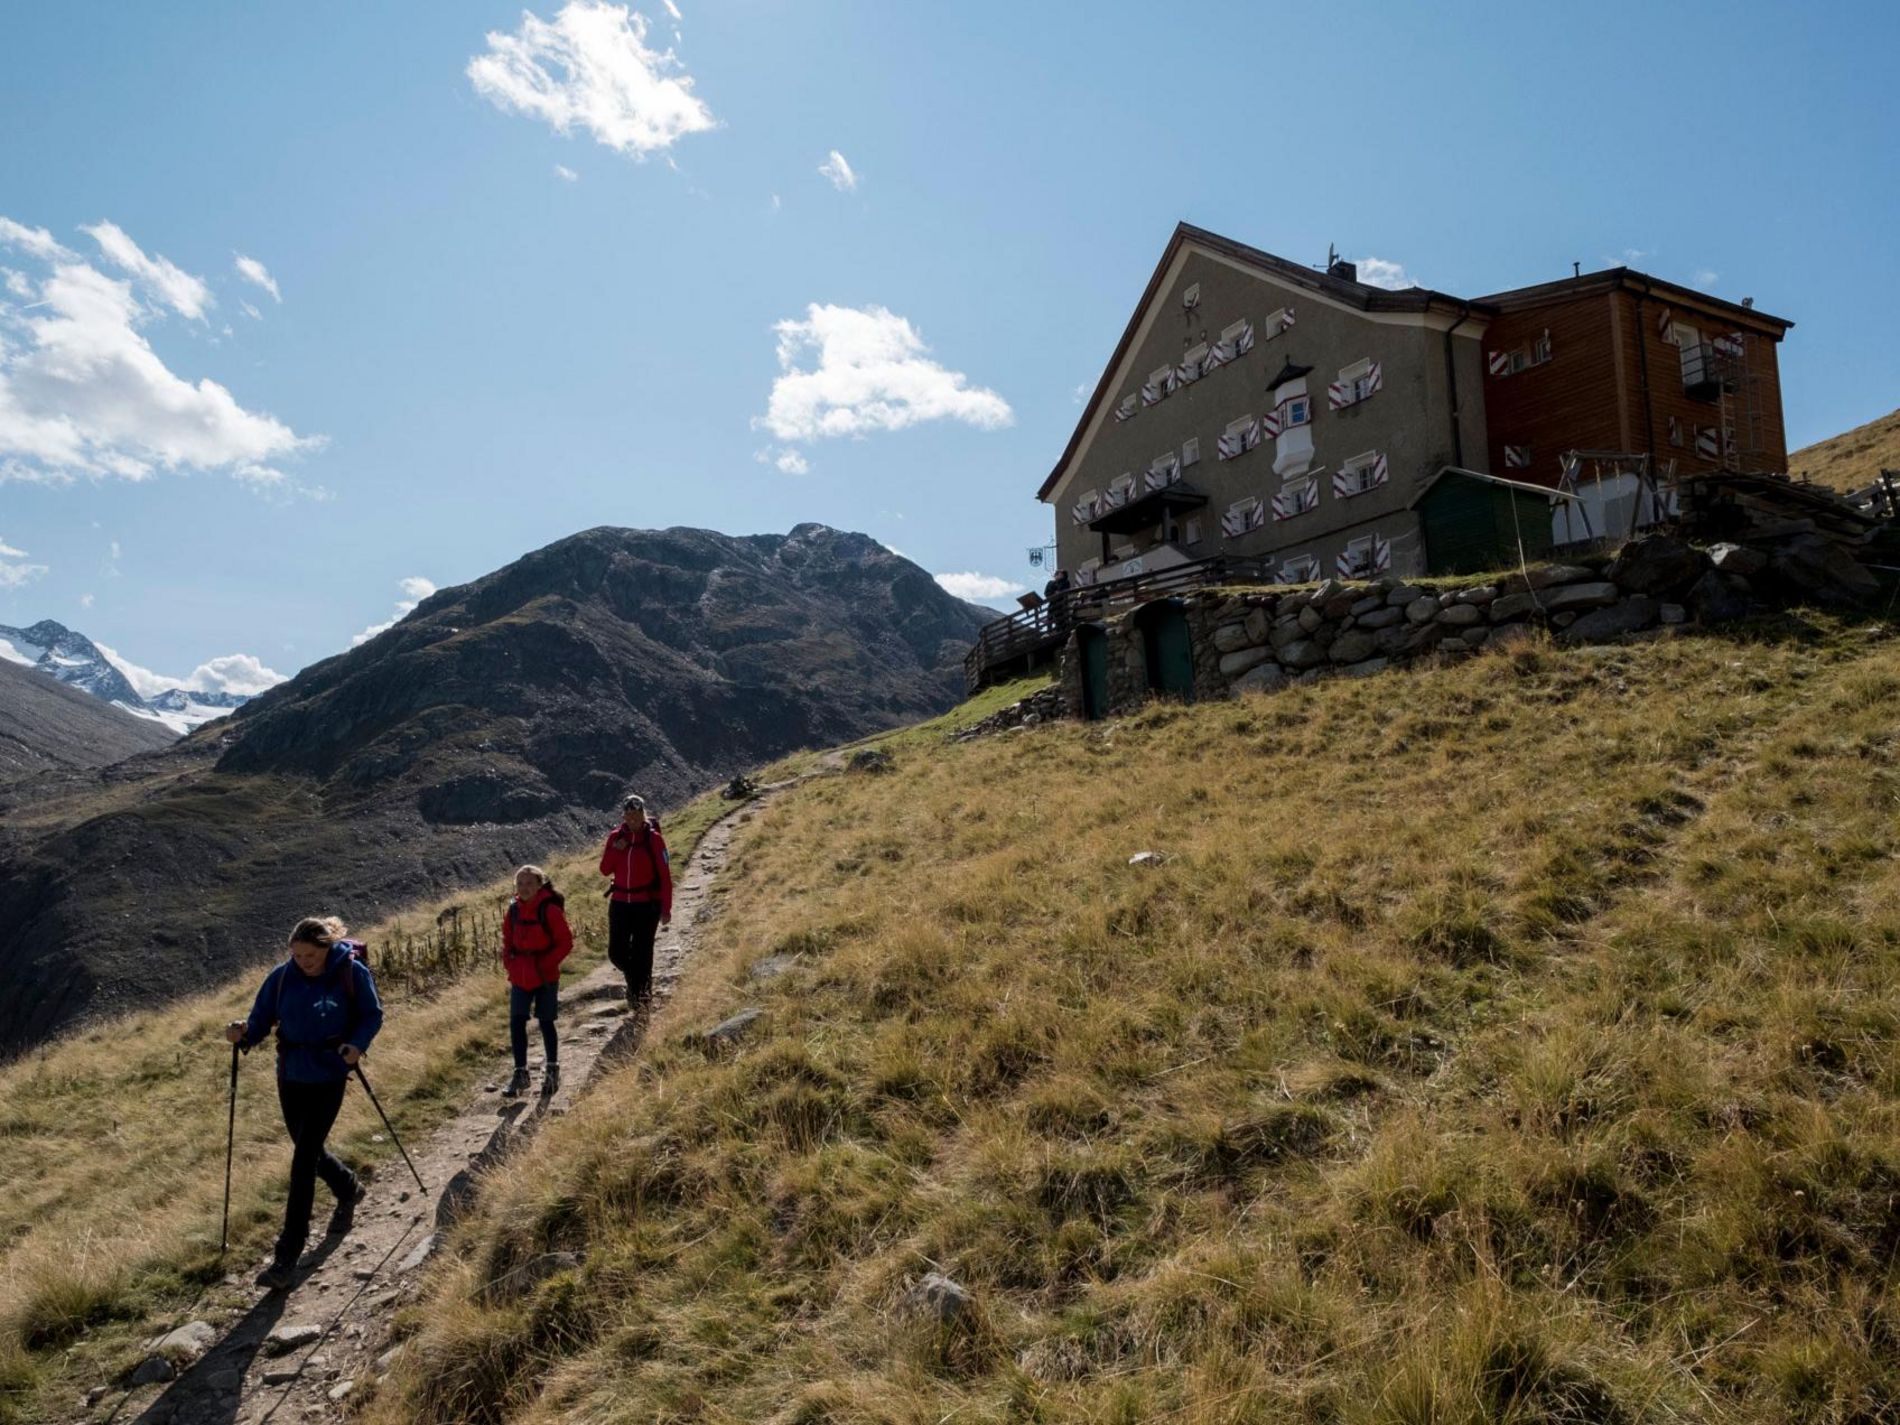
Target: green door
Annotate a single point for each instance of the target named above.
(1170, 653)
(1092, 644)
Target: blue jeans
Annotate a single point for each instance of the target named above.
(545, 1003)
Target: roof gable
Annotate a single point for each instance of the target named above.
(1358, 296)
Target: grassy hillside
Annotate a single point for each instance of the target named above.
(1508, 1041)
(1851, 459)
(112, 1141)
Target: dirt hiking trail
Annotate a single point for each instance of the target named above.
(302, 1354)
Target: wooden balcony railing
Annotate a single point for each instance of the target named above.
(1018, 638)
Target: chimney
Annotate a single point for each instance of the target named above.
(1346, 271)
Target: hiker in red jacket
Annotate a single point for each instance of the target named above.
(535, 938)
(641, 897)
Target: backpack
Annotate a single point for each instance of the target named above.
(553, 897)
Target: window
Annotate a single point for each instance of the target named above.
(1084, 509)
(1355, 384)
(1675, 431)
(1279, 322)
(1128, 406)
(1242, 516)
(1299, 569)
(1296, 498)
(1191, 450)
(1163, 471)
(1118, 492)
(1193, 362)
(1296, 411)
(1360, 474)
(1191, 295)
(1191, 530)
(1160, 381)
(1540, 349)
(1240, 436)
(1517, 457)
(1520, 360)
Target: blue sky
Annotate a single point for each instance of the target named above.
(472, 352)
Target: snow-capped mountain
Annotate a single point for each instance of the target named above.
(63, 653)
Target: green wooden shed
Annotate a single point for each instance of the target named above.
(1472, 522)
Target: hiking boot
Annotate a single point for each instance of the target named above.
(550, 1080)
(279, 1275)
(519, 1083)
(344, 1217)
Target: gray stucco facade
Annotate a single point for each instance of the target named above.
(1298, 485)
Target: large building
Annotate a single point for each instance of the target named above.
(1269, 411)
(1259, 408)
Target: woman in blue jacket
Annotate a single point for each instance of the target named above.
(323, 1004)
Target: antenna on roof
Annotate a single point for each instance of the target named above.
(1332, 256)
(1576, 269)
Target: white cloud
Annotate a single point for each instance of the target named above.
(566, 174)
(978, 586)
(82, 392)
(839, 172)
(14, 570)
(871, 373)
(1705, 278)
(249, 311)
(671, 9)
(17, 282)
(590, 66)
(230, 673)
(777, 203)
(414, 590)
(85, 601)
(253, 271)
(176, 288)
(35, 242)
(1377, 272)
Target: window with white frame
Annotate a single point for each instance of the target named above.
(1237, 337)
(1242, 516)
(1357, 561)
(1191, 450)
(1359, 474)
(1083, 510)
(1296, 497)
(1360, 380)
(1191, 530)
(1193, 363)
(1296, 411)
(1278, 322)
(1299, 569)
(1240, 436)
(1120, 490)
(1191, 295)
(1540, 349)
(1128, 406)
(1163, 471)
(1160, 381)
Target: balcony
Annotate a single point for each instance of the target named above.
(1013, 645)
(1705, 372)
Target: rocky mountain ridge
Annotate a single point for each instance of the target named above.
(69, 656)
(499, 721)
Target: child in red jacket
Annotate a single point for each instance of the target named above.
(535, 938)
(640, 896)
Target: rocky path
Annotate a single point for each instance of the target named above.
(301, 1355)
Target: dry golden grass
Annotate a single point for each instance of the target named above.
(112, 1146)
(1853, 458)
(1513, 1041)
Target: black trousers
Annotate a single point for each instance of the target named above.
(631, 926)
(310, 1111)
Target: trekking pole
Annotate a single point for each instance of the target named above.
(230, 1141)
(392, 1129)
